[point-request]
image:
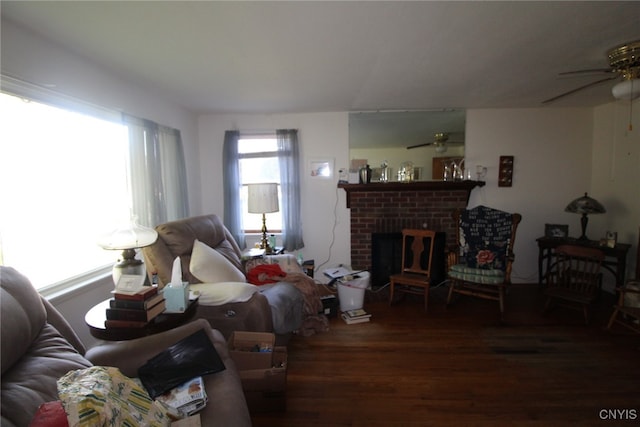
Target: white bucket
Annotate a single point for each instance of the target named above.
(351, 293)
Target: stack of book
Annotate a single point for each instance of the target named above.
(134, 309)
(358, 315)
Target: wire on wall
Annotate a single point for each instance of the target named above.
(333, 232)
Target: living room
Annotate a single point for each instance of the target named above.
(561, 151)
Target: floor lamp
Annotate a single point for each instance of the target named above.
(263, 199)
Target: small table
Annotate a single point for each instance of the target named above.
(96, 316)
(615, 258)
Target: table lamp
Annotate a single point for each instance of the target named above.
(128, 239)
(263, 199)
(585, 205)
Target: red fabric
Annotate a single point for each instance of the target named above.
(50, 414)
(266, 273)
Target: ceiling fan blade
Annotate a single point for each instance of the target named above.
(590, 71)
(419, 145)
(597, 82)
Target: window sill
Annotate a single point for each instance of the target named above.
(68, 289)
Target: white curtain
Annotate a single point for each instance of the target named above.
(157, 174)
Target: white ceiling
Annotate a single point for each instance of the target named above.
(275, 57)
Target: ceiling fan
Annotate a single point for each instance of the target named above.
(624, 64)
(440, 142)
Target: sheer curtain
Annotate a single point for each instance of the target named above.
(290, 187)
(232, 185)
(157, 176)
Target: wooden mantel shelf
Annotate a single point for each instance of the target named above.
(411, 186)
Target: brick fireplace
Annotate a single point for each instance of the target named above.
(390, 207)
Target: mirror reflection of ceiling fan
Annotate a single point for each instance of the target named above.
(440, 142)
(624, 65)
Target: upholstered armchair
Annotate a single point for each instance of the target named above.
(480, 264)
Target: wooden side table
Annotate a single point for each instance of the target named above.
(615, 258)
(97, 315)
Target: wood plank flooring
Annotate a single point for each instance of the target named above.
(461, 367)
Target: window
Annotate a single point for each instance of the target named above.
(64, 182)
(278, 161)
(258, 162)
(68, 178)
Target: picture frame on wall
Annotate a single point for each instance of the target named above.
(556, 231)
(321, 168)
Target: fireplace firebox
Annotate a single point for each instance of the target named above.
(386, 258)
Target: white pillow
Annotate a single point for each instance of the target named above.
(223, 293)
(210, 266)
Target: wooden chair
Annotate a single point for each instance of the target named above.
(480, 264)
(575, 278)
(629, 300)
(417, 254)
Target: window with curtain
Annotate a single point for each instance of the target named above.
(263, 158)
(68, 177)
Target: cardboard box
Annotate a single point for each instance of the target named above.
(252, 350)
(265, 389)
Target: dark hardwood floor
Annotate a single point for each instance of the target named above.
(462, 367)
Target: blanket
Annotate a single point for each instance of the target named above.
(313, 320)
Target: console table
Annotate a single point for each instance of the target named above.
(615, 258)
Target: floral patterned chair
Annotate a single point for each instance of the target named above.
(480, 264)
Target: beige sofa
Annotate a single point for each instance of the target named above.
(277, 308)
(38, 347)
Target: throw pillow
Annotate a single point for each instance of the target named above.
(210, 266)
(223, 293)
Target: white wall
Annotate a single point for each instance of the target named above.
(547, 137)
(552, 166)
(615, 179)
(322, 136)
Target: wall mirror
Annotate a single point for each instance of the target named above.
(378, 137)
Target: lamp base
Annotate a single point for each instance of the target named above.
(128, 265)
(583, 224)
(264, 242)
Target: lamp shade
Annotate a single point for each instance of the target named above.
(263, 198)
(627, 89)
(130, 236)
(585, 205)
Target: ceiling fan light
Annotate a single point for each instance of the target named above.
(628, 89)
(440, 148)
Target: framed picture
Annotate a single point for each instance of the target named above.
(558, 231)
(321, 168)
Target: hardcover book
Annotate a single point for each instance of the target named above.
(136, 304)
(141, 295)
(357, 313)
(136, 315)
(352, 321)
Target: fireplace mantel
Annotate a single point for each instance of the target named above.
(411, 186)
